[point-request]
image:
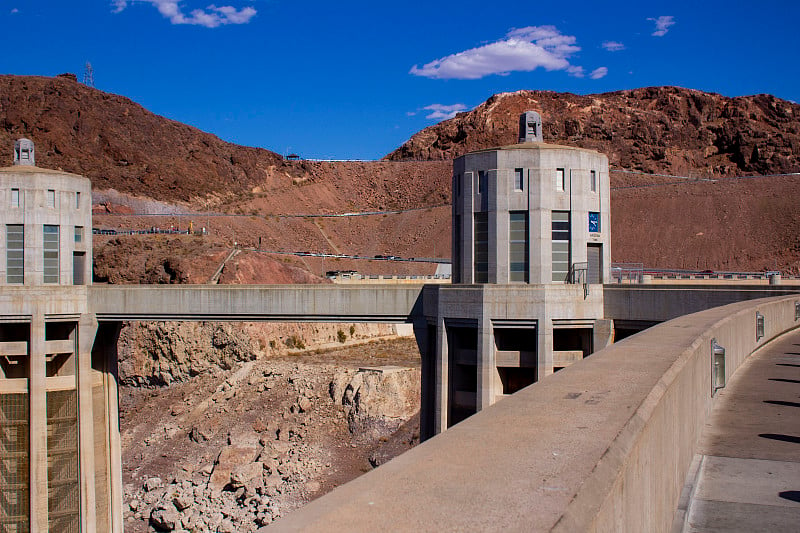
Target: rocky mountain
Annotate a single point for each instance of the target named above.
(157, 165)
(727, 224)
(120, 145)
(654, 129)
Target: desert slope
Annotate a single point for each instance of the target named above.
(655, 129)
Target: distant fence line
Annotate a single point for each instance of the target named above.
(685, 179)
(272, 215)
(343, 277)
(635, 272)
(691, 179)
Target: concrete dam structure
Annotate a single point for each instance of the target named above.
(531, 251)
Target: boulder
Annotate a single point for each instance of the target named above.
(153, 483)
(229, 459)
(164, 519)
(304, 404)
(248, 476)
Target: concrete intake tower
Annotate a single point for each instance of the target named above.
(531, 249)
(56, 405)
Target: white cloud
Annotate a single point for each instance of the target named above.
(14, 10)
(663, 24)
(442, 111)
(576, 71)
(210, 17)
(613, 46)
(598, 73)
(523, 49)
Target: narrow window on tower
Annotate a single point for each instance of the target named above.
(456, 259)
(51, 198)
(14, 197)
(561, 245)
(483, 182)
(481, 248)
(518, 179)
(518, 246)
(560, 179)
(51, 265)
(15, 253)
(593, 180)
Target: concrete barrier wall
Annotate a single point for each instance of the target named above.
(665, 302)
(603, 445)
(293, 303)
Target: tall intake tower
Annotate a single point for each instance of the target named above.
(56, 398)
(530, 251)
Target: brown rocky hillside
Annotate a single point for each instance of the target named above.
(159, 165)
(122, 146)
(654, 129)
(728, 224)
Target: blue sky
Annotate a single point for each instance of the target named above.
(356, 79)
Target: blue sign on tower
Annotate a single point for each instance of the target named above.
(594, 222)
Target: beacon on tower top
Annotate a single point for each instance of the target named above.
(23, 152)
(530, 127)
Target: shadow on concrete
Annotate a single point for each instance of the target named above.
(777, 436)
(785, 380)
(787, 364)
(791, 495)
(791, 353)
(781, 402)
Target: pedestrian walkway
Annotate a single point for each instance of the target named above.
(749, 468)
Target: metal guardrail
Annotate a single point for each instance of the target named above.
(151, 231)
(635, 272)
(358, 276)
(627, 272)
(708, 273)
(579, 274)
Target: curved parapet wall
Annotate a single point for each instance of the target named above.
(603, 445)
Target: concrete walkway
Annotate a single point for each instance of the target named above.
(749, 474)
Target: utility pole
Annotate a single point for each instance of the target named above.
(88, 75)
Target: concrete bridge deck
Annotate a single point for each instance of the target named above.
(603, 445)
(290, 303)
(378, 303)
(749, 469)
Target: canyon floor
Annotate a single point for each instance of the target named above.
(232, 450)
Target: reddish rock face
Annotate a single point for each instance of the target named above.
(118, 144)
(654, 129)
(727, 225)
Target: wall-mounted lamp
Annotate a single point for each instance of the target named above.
(759, 326)
(717, 366)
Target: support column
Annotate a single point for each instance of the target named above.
(38, 424)
(602, 334)
(486, 365)
(110, 349)
(442, 387)
(544, 357)
(87, 328)
(427, 378)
